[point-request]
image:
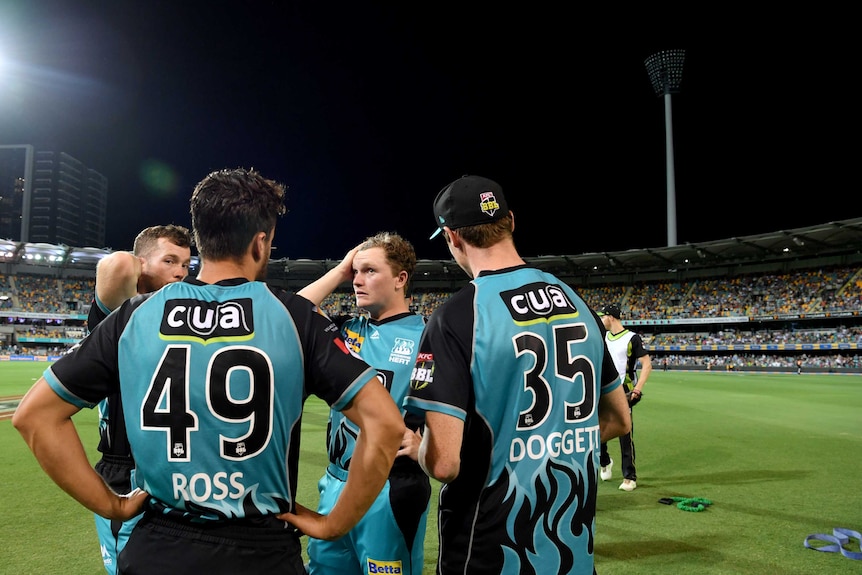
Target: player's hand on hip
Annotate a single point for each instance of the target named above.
(308, 521)
(130, 504)
(410, 444)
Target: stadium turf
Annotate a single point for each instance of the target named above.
(776, 454)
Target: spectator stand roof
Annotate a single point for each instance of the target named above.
(830, 244)
(834, 243)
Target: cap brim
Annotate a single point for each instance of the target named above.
(436, 233)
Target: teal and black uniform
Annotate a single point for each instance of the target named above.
(115, 465)
(521, 359)
(213, 380)
(390, 538)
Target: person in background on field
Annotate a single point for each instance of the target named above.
(160, 255)
(627, 349)
(390, 538)
(518, 390)
(214, 372)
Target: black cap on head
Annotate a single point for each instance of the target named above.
(611, 310)
(469, 201)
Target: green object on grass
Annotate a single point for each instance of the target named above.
(694, 504)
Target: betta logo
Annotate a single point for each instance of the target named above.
(538, 302)
(353, 340)
(185, 319)
(387, 567)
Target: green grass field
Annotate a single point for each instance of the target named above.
(778, 455)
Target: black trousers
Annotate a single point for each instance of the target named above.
(160, 545)
(627, 453)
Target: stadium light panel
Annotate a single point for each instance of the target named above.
(665, 71)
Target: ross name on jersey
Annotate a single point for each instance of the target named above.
(201, 487)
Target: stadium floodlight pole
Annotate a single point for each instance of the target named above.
(665, 73)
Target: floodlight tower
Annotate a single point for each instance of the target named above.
(665, 73)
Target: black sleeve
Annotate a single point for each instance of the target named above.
(331, 372)
(91, 370)
(638, 349)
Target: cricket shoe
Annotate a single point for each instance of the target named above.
(606, 471)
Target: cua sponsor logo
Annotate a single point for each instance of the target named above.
(538, 301)
(207, 320)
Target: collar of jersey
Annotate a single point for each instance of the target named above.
(226, 282)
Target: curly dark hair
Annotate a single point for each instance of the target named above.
(229, 207)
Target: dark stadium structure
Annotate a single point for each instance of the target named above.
(823, 247)
(831, 244)
(835, 243)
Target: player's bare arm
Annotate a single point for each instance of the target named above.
(318, 290)
(117, 277)
(381, 430)
(615, 418)
(440, 451)
(643, 376)
(44, 420)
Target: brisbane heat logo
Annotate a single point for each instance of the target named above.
(207, 321)
(538, 302)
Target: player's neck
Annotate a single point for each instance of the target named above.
(215, 271)
(389, 311)
(497, 257)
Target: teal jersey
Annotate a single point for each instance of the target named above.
(389, 346)
(213, 380)
(390, 536)
(521, 358)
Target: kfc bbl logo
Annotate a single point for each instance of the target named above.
(488, 203)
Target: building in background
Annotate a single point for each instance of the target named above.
(50, 197)
(15, 163)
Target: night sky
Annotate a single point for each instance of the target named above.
(366, 110)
